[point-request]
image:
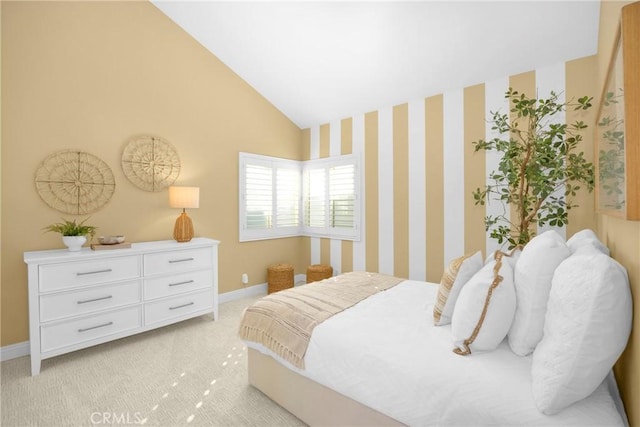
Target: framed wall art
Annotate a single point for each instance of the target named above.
(617, 142)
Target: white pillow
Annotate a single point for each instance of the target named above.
(511, 257)
(533, 274)
(491, 287)
(586, 328)
(586, 237)
(457, 274)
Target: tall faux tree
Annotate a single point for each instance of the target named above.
(539, 159)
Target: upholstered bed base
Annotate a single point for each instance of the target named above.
(313, 403)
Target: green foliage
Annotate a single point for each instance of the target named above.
(71, 228)
(537, 160)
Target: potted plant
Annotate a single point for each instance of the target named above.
(74, 234)
(539, 170)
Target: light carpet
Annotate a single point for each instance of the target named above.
(190, 373)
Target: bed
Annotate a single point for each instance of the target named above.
(383, 361)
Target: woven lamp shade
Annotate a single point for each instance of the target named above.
(184, 197)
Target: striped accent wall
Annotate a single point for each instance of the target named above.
(420, 170)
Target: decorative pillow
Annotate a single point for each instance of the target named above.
(586, 328)
(533, 274)
(511, 257)
(586, 237)
(459, 271)
(485, 308)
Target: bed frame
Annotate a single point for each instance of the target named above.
(313, 403)
(300, 396)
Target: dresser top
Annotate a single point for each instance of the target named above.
(64, 255)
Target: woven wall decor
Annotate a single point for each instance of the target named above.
(150, 163)
(74, 182)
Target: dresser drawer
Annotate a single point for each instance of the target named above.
(177, 261)
(74, 274)
(164, 286)
(88, 300)
(159, 311)
(77, 331)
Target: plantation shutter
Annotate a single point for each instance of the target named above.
(281, 198)
(287, 197)
(342, 196)
(258, 197)
(330, 197)
(314, 198)
(270, 197)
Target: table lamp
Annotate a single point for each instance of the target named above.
(183, 198)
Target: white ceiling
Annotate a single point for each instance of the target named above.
(327, 60)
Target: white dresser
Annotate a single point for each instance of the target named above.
(80, 299)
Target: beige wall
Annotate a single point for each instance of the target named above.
(88, 76)
(622, 237)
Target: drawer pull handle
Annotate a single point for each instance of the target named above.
(186, 282)
(181, 306)
(95, 327)
(173, 261)
(95, 299)
(108, 270)
(181, 283)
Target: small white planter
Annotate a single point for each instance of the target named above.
(74, 243)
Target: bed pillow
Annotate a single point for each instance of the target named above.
(532, 277)
(586, 328)
(459, 271)
(586, 237)
(511, 257)
(485, 308)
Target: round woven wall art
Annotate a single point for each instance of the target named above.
(74, 182)
(150, 163)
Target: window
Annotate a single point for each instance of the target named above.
(281, 198)
(269, 197)
(330, 197)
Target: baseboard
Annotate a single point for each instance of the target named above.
(20, 349)
(255, 290)
(14, 351)
(249, 291)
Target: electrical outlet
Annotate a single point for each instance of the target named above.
(245, 278)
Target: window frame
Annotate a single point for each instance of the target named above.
(274, 232)
(327, 230)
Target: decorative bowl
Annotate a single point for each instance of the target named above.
(110, 240)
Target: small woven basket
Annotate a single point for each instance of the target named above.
(317, 272)
(279, 277)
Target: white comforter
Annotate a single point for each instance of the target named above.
(385, 353)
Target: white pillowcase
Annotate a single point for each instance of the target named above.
(586, 237)
(533, 274)
(471, 302)
(586, 328)
(457, 274)
(511, 257)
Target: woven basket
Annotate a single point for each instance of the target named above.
(317, 272)
(279, 277)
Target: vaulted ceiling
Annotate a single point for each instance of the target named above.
(326, 60)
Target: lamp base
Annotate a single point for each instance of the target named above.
(183, 229)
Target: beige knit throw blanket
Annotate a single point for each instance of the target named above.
(283, 321)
